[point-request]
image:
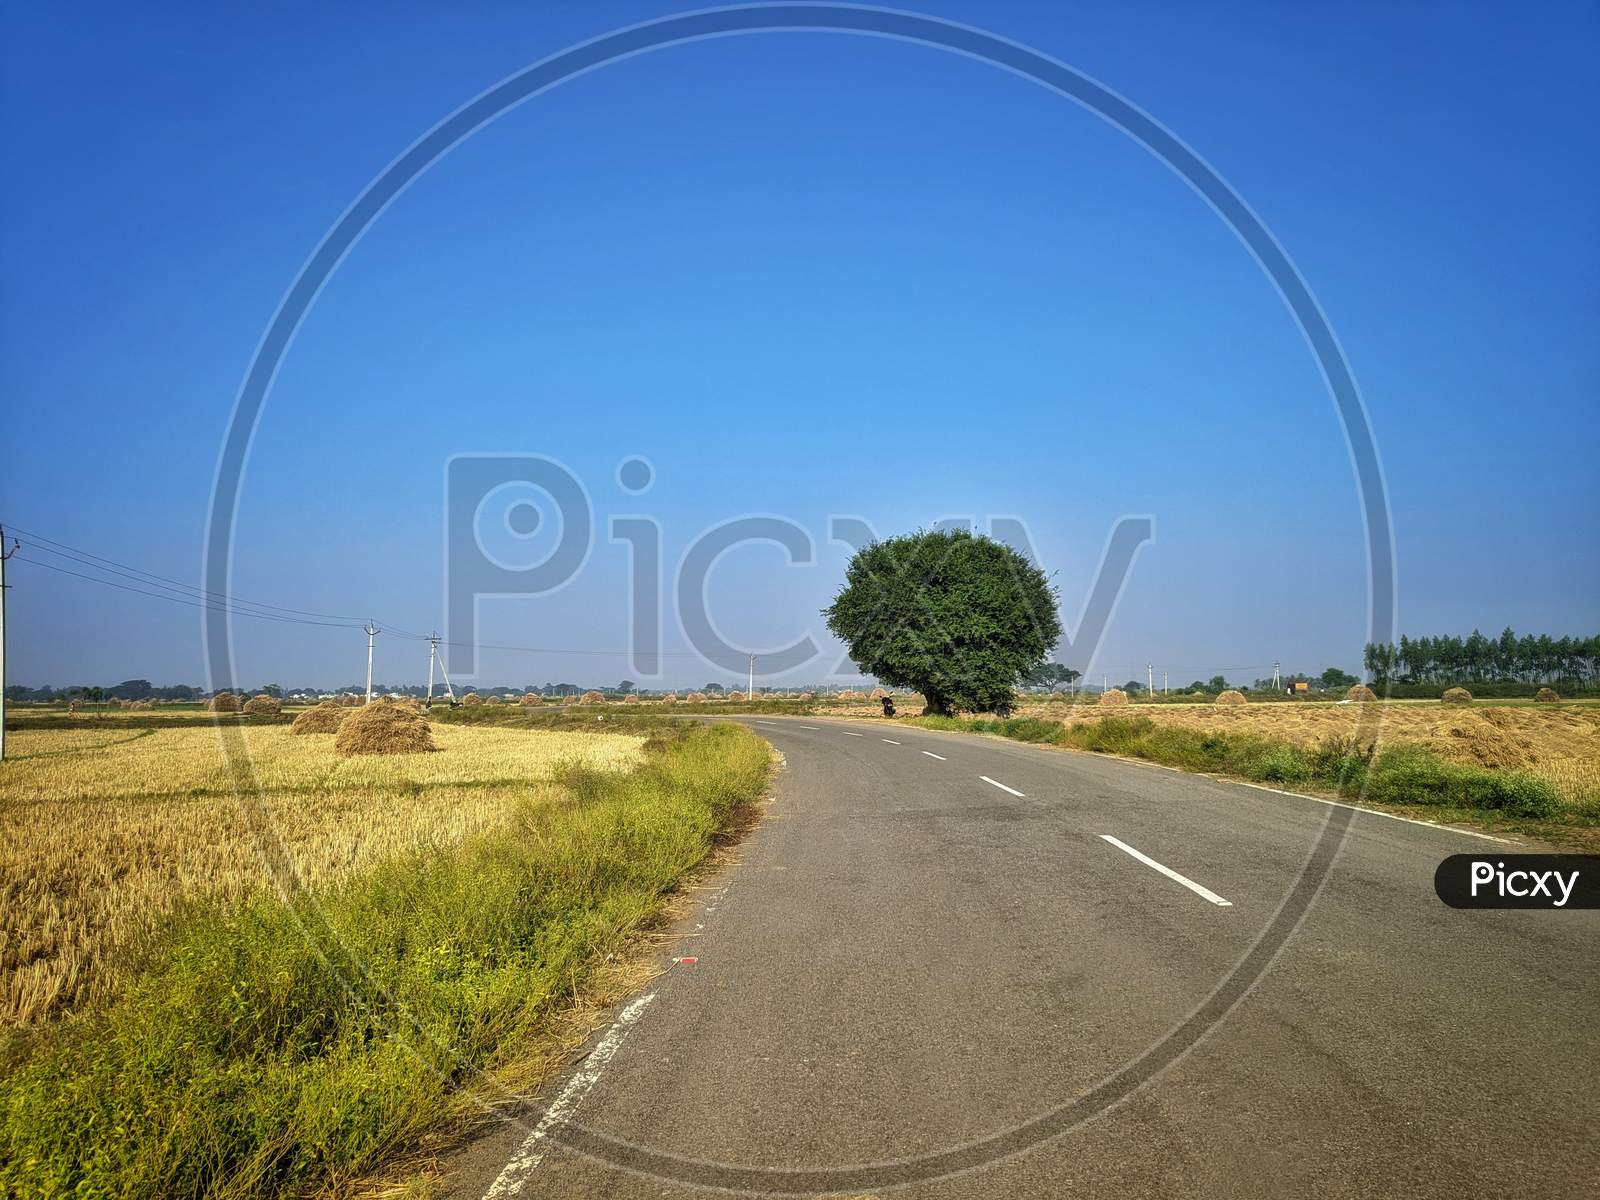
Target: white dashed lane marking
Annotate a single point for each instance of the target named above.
(1194, 887)
(1001, 786)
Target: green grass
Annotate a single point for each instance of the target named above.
(279, 1049)
(1396, 775)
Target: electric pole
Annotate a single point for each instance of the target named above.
(371, 629)
(1164, 691)
(1276, 681)
(435, 656)
(1150, 678)
(751, 693)
(4, 554)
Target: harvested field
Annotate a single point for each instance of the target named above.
(102, 833)
(1560, 743)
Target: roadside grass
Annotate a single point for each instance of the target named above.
(1396, 774)
(273, 1048)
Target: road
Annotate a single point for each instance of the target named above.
(929, 959)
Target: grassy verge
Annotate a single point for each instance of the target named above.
(271, 1049)
(1397, 775)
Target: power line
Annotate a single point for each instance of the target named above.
(208, 607)
(127, 570)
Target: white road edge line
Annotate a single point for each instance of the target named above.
(766, 722)
(940, 757)
(531, 1153)
(891, 741)
(1001, 786)
(847, 733)
(1203, 892)
(813, 728)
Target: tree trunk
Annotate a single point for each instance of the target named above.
(937, 706)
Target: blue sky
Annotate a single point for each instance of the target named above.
(803, 274)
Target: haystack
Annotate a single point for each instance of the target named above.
(735, 695)
(848, 694)
(1230, 697)
(531, 698)
(324, 718)
(591, 697)
(472, 698)
(263, 706)
(879, 693)
(492, 698)
(1546, 696)
(351, 699)
(1113, 698)
(696, 697)
(224, 702)
(670, 698)
(630, 698)
(1361, 692)
(384, 728)
(808, 695)
(1456, 695)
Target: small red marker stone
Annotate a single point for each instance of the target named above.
(688, 962)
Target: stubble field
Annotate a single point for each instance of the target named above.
(103, 833)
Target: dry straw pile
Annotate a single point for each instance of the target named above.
(324, 718)
(224, 702)
(735, 695)
(1229, 697)
(696, 697)
(472, 698)
(630, 698)
(1361, 692)
(1113, 698)
(350, 700)
(848, 694)
(492, 698)
(879, 693)
(591, 698)
(531, 698)
(1546, 696)
(1456, 695)
(263, 706)
(384, 728)
(670, 698)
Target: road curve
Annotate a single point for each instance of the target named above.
(933, 939)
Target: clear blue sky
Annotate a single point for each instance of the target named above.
(803, 274)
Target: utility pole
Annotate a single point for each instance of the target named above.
(1150, 678)
(750, 694)
(1276, 681)
(4, 554)
(371, 629)
(1164, 691)
(435, 657)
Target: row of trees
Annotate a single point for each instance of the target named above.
(1478, 658)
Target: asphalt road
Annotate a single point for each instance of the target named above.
(914, 973)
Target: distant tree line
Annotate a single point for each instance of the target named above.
(1476, 658)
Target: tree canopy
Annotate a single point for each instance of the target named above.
(959, 617)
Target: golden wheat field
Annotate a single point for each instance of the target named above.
(102, 833)
(1559, 742)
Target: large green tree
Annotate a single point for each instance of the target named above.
(960, 618)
